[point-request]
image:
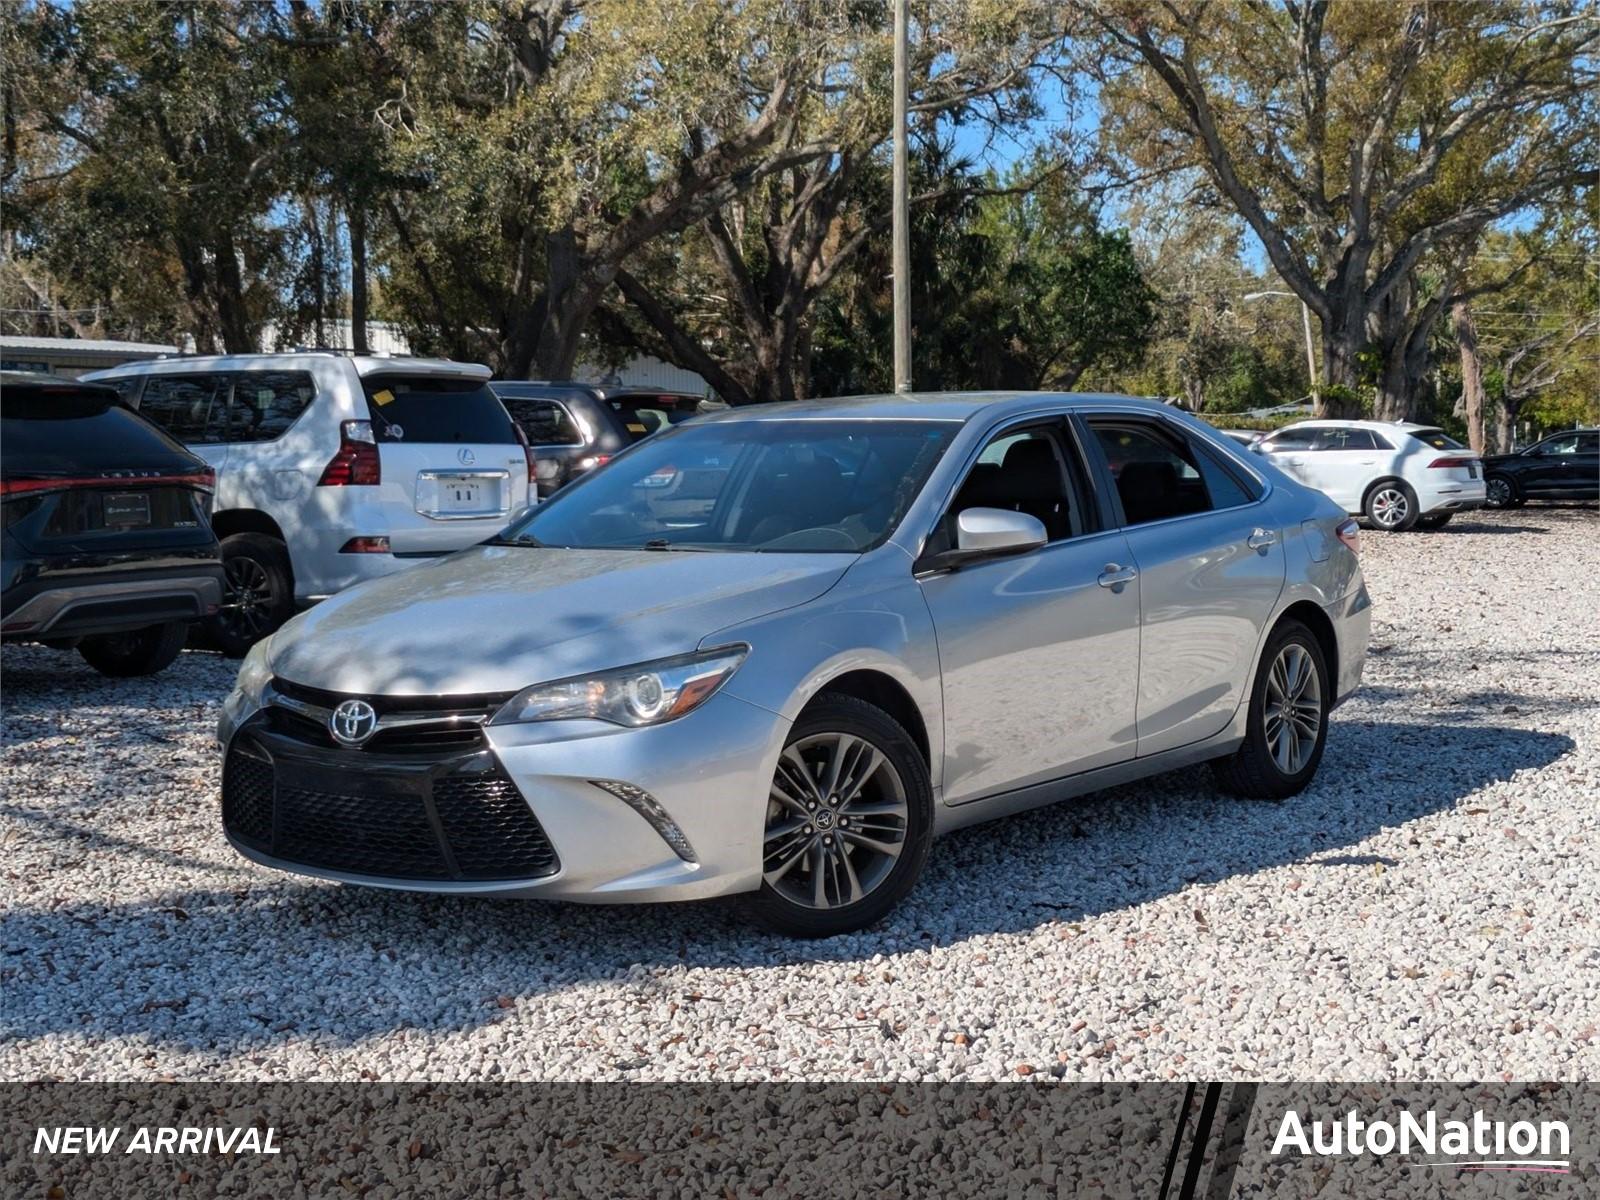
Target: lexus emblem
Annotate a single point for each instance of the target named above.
(466, 456)
(353, 722)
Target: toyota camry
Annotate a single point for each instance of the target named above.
(775, 651)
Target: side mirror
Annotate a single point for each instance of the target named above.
(981, 532)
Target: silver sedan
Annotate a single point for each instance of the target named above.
(777, 650)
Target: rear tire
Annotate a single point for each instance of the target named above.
(1275, 762)
(1391, 506)
(831, 803)
(257, 592)
(1434, 520)
(1500, 491)
(138, 652)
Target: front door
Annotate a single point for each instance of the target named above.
(1211, 568)
(1039, 656)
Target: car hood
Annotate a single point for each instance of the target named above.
(498, 618)
(1494, 460)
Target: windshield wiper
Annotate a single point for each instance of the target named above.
(522, 539)
(664, 544)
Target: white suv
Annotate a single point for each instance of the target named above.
(333, 469)
(1394, 473)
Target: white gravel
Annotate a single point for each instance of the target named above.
(1429, 909)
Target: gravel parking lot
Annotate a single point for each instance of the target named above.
(1430, 908)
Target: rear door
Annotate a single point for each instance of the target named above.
(194, 409)
(1211, 568)
(1343, 462)
(453, 469)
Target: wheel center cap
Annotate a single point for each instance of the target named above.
(824, 819)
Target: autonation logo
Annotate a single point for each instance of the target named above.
(1478, 1144)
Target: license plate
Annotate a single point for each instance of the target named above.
(123, 510)
(460, 494)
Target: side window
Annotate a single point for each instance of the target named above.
(1589, 443)
(192, 408)
(1160, 475)
(1563, 445)
(267, 403)
(1028, 471)
(1290, 439)
(545, 422)
(1359, 439)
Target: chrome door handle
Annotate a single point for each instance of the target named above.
(1115, 576)
(1260, 539)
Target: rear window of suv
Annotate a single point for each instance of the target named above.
(430, 408)
(63, 429)
(1437, 438)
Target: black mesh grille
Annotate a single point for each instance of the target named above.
(247, 799)
(369, 835)
(343, 812)
(491, 830)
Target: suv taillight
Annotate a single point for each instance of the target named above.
(356, 463)
(527, 452)
(1450, 462)
(1350, 534)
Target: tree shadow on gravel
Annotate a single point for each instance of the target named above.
(221, 971)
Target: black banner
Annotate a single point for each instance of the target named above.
(1155, 1141)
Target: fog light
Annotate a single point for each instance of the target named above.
(365, 545)
(648, 807)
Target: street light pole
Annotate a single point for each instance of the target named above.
(901, 230)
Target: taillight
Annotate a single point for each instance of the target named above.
(204, 481)
(356, 463)
(1450, 462)
(1350, 534)
(590, 462)
(366, 545)
(527, 452)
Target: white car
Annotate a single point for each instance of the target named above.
(333, 469)
(1394, 473)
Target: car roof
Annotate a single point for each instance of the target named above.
(365, 364)
(38, 379)
(928, 406)
(1336, 423)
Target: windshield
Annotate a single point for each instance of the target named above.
(837, 486)
(1437, 438)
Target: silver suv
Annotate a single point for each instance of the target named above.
(333, 469)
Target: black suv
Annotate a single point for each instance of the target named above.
(107, 543)
(1564, 466)
(573, 427)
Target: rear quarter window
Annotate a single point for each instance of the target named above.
(425, 409)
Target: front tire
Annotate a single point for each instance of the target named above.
(849, 821)
(257, 592)
(1288, 724)
(138, 652)
(1391, 506)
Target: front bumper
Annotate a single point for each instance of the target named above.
(709, 772)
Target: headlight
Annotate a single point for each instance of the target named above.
(646, 694)
(254, 672)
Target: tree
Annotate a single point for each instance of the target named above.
(771, 253)
(567, 137)
(1012, 287)
(1358, 140)
(140, 154)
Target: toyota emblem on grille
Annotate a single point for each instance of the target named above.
(353, 722)
(466, 456)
